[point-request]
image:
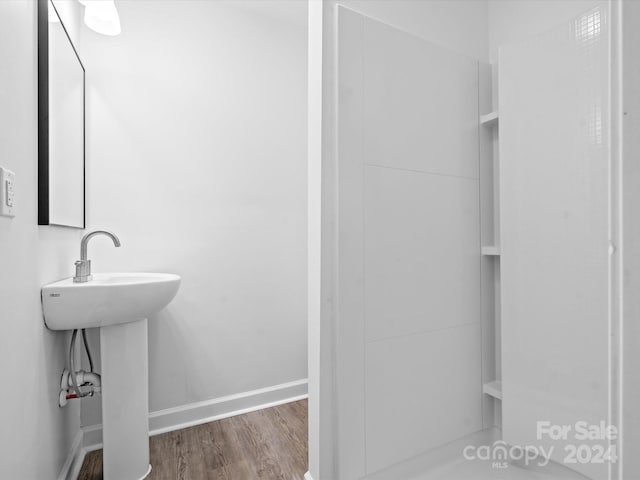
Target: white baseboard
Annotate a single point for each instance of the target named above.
(198, 413)
(73, 463)
(307, 476)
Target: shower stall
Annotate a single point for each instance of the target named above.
(474, 241)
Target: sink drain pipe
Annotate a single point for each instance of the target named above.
(73, 380)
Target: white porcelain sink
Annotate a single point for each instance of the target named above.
(120, 305)
(108, 299)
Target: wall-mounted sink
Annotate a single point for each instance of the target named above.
(108, 299)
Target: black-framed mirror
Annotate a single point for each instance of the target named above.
(61, 121)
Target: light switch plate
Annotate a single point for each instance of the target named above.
(7, 193)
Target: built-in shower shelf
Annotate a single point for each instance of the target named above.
(490, 119)
(491, 251)
(493, 389)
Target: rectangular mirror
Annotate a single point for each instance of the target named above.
(61, 120)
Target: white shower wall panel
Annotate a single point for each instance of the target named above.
(422, 392)
(420, 104)
(421, 252)
(408, 333)
(555, 228)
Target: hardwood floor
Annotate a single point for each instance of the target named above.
(268, 444)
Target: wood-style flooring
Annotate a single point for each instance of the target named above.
(269, 444)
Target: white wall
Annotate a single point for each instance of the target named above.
(320, 391)
(197, 160)
(36, 434)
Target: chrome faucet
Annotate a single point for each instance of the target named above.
(83, 266)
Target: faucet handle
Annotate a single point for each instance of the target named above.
(83, 271)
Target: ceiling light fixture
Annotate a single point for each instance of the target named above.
(101, 16)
